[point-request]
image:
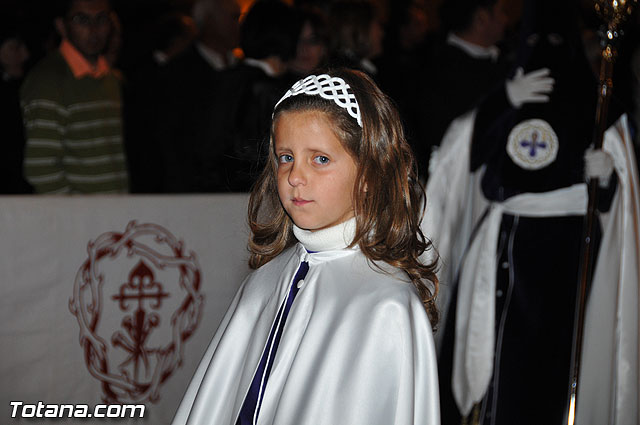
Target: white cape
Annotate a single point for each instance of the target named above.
(609, 385)
(357, 348)
(609, 382)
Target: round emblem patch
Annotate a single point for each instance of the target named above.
(532, 144)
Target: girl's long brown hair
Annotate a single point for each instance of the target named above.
(389, 199)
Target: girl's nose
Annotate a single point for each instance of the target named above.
(297, 175)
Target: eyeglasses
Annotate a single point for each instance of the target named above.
(83, 20)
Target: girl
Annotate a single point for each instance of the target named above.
(331, 327)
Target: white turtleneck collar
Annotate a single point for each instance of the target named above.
(337, 237)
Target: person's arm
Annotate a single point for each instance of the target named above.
(44, 120)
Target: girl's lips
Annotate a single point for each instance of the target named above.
(299, 202)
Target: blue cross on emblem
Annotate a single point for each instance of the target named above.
(533, 144)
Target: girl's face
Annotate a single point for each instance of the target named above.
(316, 175)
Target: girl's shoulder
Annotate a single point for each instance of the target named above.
(374, 281)
(386, 275)
(378, 293)
(271, 271)
(287, 256)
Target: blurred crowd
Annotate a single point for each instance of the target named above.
(175, 96)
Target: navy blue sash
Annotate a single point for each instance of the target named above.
(251, 406)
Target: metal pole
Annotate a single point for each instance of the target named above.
(614, 13)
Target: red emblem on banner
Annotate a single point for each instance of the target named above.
(137, 300)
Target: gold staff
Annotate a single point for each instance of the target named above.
(614, 13)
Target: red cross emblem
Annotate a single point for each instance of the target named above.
(134, 355)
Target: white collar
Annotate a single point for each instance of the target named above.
(334, 238)
(473, 50)
(263, 65)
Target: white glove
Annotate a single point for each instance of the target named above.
(533, 87)
(598, 164)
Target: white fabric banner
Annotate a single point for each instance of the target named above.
(112, 299)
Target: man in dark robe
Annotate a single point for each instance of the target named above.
(464, 67)
(534, 145)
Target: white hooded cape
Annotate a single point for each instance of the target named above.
(357, 348)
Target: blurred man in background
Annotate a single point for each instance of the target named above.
(72, 108)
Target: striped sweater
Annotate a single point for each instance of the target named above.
(74, 131)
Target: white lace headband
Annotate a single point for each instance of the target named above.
(328, 87)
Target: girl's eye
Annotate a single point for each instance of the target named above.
(285, 158)
(320, 159)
